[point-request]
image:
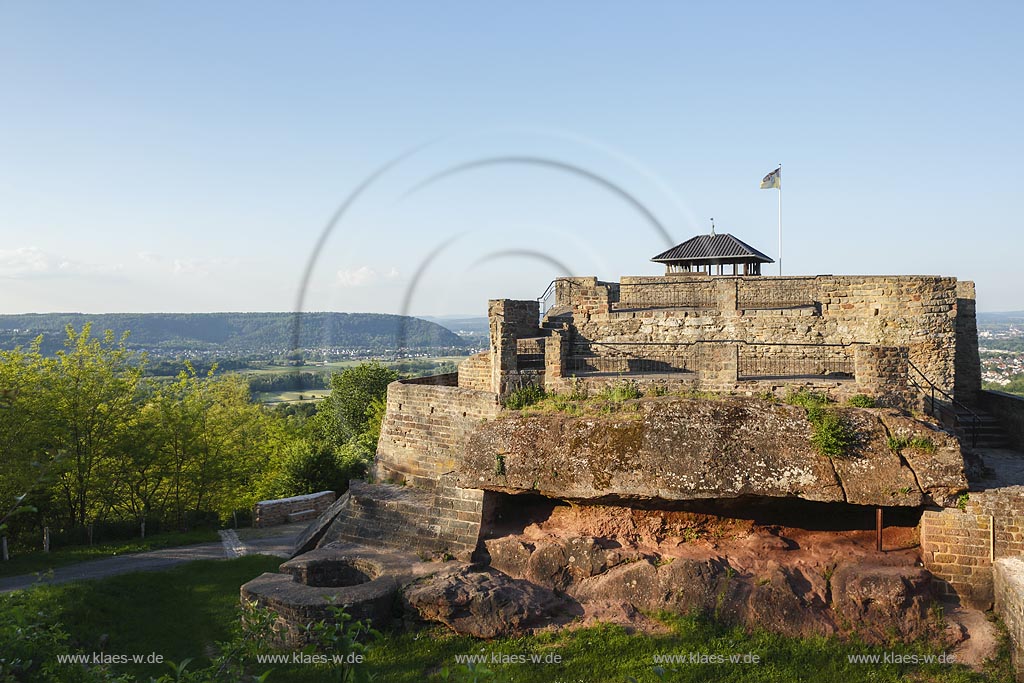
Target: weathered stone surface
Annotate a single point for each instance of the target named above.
(872, 474)
(939, 472)
(882, 601)
(870, 600)
(482, 603)
(784, 600)
(689, 449)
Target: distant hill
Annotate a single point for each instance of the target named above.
(1001, 317)
(235, 333)
(478, 324)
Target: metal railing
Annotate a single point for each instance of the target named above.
(782, 361)
(949, 409)
(632, 358)
(653, 295)
(755, 360)
(547, 299)
(774, 294)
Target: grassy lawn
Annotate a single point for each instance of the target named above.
(184, 612)
(42, 562)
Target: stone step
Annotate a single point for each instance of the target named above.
(409, 518)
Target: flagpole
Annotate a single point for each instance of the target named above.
(780, 219)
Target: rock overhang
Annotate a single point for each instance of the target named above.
(674, 449)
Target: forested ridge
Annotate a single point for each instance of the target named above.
(234, 332)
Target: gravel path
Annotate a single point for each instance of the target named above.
(274, 541)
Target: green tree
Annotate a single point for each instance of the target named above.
(354, 405)
(211, 444)
(87, 397)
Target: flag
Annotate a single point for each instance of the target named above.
(772, 180)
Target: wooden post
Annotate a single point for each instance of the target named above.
(143, 526)
(46, 539)
(3, 546)
(90, 533)
(878, 529)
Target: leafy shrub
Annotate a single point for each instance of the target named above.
(308, 467)
(832, 435)
(523, 396)
(862, 401)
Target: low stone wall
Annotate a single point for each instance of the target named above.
(959, 545)
(273, 512)
(475, 372)
(425, 427)
(1009, 604)
(1009, 410)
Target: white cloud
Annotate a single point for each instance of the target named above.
(33, 262)
(363, 276)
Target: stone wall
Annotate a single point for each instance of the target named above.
(1009, 604)
(931, 316)
(475, 372)
(424, 427)
(510, 321)
(1009, 410)
(968, 363)
(881, 372)
(959, 545)
(272, 512)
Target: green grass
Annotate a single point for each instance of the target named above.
(861, 401)
(180, 613)
(42, 562)
(919, 443)
(183, 613)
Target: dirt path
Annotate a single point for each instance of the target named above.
(272, 541)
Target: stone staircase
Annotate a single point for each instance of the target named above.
(989, 433)
(441, 520)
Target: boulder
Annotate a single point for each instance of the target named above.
(484, 603)
(879, 602)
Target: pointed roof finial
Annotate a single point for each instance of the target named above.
(712, 227)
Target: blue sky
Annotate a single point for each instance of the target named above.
(186, 156)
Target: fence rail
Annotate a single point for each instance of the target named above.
(774, 294)
(754, 361)
(792, 361)
(632, 359)
(645, 295)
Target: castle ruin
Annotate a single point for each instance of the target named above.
(651, 501)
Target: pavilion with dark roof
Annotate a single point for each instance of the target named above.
(704, 253)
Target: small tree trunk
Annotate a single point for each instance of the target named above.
(3, 546)
(46, 539)
(143, 526)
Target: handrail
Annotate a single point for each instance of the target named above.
(551, 291)
(975, 418)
